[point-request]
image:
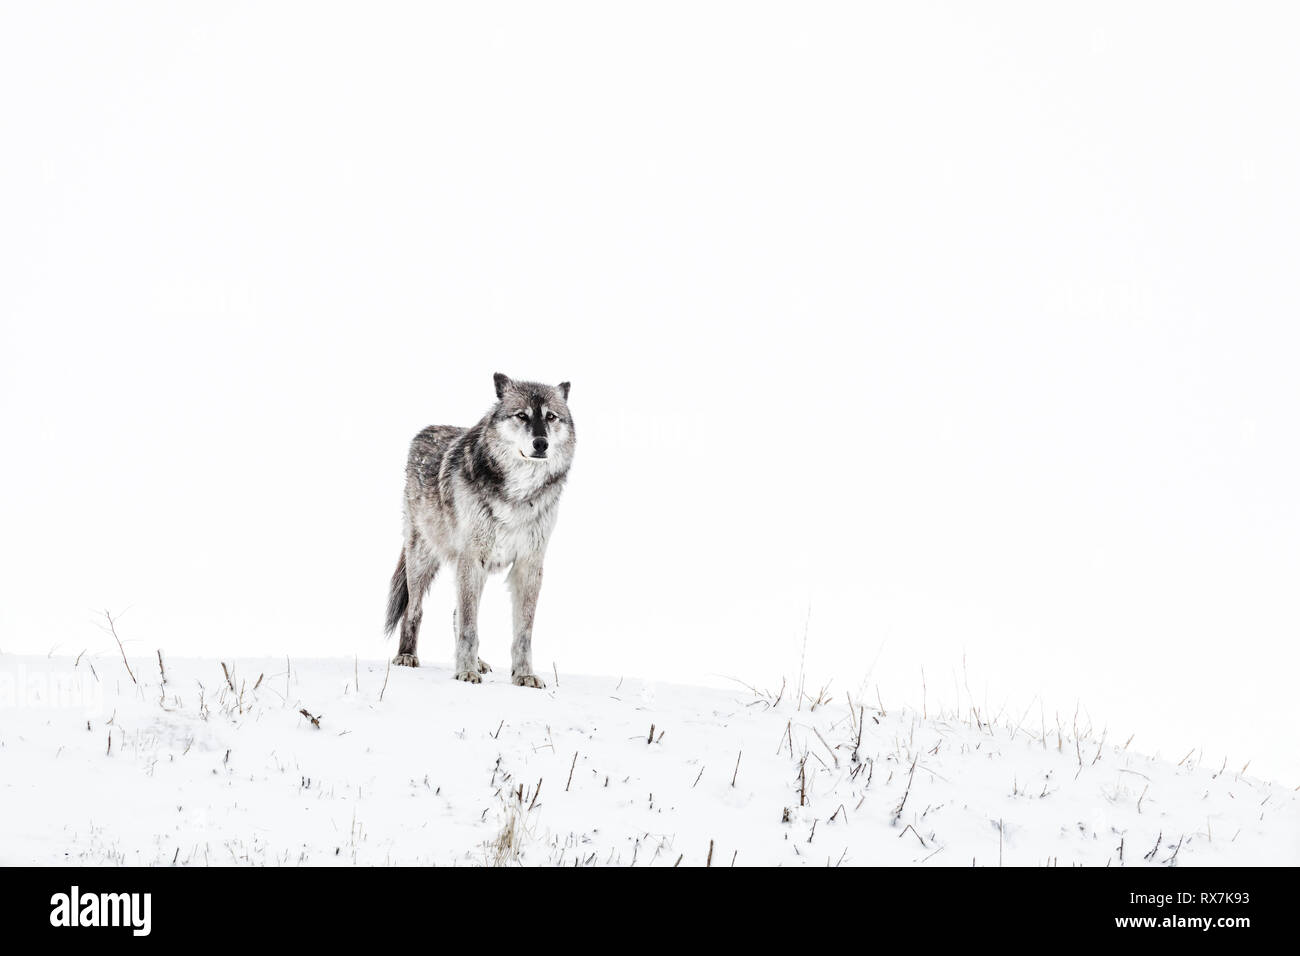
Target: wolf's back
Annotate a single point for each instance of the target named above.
(428, 449)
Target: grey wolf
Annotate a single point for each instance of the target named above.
(479, 500)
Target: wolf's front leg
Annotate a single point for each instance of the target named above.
(525, 584)
(470, 576)
(483, 666)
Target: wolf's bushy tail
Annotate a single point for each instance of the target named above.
(398, 596)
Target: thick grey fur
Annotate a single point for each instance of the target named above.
(479, 500)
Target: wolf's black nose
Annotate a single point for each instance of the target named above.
(539, 445)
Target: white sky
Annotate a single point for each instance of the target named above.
(973, 331)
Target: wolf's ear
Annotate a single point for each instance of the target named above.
(564, 389)
(502, 383)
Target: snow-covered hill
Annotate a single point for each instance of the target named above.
(219, 765)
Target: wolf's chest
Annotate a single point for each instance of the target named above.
(517, 531)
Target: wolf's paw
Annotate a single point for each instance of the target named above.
(470, 677)
(483, 666)
(406, 660)
(527, 680)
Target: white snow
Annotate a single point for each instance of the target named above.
(96, 769)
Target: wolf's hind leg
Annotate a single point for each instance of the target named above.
(420, 572)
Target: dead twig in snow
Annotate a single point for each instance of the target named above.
(112, 627)
(898, 810)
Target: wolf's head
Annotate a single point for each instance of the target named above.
(532, 423)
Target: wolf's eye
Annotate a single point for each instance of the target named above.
(522, 416)
(550, 416)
